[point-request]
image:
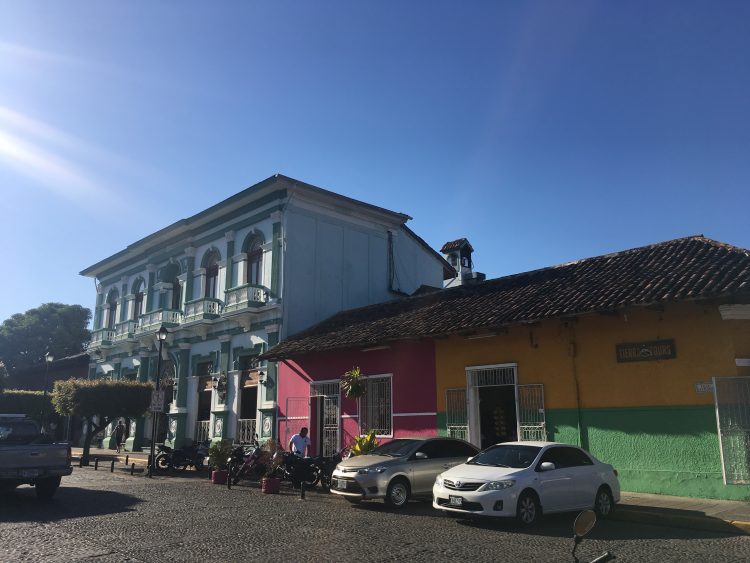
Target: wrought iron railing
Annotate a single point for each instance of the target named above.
(245, 430)
(202, 430)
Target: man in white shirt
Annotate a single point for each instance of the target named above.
(300, 443)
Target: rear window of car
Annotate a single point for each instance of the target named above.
(515, 456)
(17, 432)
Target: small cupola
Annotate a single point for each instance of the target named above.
(458, 254)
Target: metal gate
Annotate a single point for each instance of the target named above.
(732, 401)
(297, 415)
(330, 431)
(531, 420)
(456, 419)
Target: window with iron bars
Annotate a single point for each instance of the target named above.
(377, 411)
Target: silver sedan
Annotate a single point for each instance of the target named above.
(399, 470)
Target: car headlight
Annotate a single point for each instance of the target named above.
(496, 485)
(370, 470)
(439, 480)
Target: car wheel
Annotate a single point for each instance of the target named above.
(604, 503)
(527, 509)
(46, 488)
(398, 493)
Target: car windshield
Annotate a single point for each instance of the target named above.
(394, 448)
(17, 432)
(506, 456)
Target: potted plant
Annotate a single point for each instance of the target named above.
(270, 484)
(363, 445)
(218, 458)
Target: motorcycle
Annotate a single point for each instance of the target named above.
(247, 463)
(182, 458)
(584, 523)
(298, 470)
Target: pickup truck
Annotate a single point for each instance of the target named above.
(28, 457)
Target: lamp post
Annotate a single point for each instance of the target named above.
(48, 359)
(161, 336)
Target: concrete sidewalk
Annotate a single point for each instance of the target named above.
(726, 516)
(139, 458)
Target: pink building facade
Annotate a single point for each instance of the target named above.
(400, 400)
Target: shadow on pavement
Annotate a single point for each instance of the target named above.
(620, 528)
(21, 504)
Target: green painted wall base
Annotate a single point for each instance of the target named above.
(663, 450)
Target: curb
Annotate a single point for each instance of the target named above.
(707, 523)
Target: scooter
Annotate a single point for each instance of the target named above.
(584, 523)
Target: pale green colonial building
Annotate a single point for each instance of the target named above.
(233, 280)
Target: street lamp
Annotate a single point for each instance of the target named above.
(161, 336)
(48, 359)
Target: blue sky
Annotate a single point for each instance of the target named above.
(542, 131)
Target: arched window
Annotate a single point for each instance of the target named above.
(138, 298)
(112, 298)
(255, 262)
(211, 264)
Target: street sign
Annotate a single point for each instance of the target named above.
(157, 401)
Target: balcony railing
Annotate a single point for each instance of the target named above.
(206, 308)
(103, 336)
(202, 430)
(244, 296)
(153, 321)
(245, 430)
(125, 331)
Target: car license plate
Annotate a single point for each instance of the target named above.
(455, 501)
(339, 483)
(29, 473)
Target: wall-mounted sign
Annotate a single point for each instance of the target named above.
(702, 388)
(646, 351)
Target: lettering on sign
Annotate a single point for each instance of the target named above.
(646, 351)
(702, 387)
(157, 401)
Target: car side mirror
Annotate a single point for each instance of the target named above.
(547, 466)
(420, 455)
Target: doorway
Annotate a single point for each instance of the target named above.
(497, 415)
(324, 418)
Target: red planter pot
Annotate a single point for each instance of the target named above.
(219, 477)
(270, 485)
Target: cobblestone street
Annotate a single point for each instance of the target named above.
(115, 517)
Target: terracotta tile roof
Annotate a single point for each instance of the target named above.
(454, 245)
(692, 268)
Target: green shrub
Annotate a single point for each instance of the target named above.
(31, 403)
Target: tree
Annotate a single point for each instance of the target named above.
(100, 402)
(53, 327)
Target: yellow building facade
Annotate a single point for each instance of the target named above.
(633, 387)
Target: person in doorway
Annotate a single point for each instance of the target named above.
(119, 435)
(300, 443)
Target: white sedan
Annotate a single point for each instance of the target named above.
(525, 479)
